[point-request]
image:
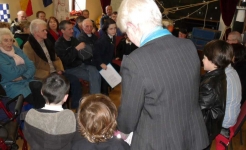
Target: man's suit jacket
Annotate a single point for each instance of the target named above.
(160, 86)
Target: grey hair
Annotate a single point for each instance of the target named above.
(5, 31)
(236, 36)
(34, 25)
(138, 12)
(86, 20)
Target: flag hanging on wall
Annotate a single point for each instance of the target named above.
(4, 13)
(47, 2)
(26, 5)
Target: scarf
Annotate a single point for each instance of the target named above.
(158, 32)
(18, 60)
(54, 35)
(39, 51)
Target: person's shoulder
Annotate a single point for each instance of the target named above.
(60, 39)
(119, 143)
(17, 49)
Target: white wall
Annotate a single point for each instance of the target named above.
(115, 4)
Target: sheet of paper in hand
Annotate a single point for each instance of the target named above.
(111, 76)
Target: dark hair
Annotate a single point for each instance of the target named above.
(183, 30)
(85, 10)
(63, 23)
(54, 88)
(54, 18)
(219, 52)
(80, 19)
(239, 52)
(114, 13)
(39, 12)
(106, 24)
(4, 25)
(97, 118)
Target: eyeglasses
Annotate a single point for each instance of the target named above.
(8, 40)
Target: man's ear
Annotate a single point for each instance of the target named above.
(41, 92)
(131, 26)
(62, 31)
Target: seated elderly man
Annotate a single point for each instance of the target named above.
(234, 37)
(41, 51)
(86, 34)
(15, 26)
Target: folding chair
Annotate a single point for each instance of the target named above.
(222, 142)
(9, 129)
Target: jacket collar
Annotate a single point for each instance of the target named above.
(38, 49)
(214, 72)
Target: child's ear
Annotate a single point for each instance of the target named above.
(65, 98)
(233, 59)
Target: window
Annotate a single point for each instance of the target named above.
(77, 5)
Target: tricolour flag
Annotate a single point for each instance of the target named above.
(47, 2)
(26, 5)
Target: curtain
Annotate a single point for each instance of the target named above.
(105, 3)
(227, 8)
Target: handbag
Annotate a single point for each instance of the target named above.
(86, 53)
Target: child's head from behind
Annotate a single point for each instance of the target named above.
(55, 89)
(217, 55)
(97, 118)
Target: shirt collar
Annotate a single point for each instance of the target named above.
(53, 107)
(148, 33)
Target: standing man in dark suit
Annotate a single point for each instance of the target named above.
(160, 84)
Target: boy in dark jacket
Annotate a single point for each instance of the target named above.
(212, 91)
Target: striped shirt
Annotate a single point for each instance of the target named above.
(233, 97)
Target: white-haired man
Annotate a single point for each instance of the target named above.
(15, 25)
(160, 83)
(41, 51)
(234, 37)
(86, 34)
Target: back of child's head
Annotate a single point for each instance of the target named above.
(219, 53)
(54, 88)
(97, 118)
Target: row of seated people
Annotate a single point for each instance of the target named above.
(52, 48)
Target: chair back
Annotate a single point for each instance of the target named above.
(2, 91)
(240, 119)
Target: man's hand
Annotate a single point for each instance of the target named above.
(80, 46)
(59, 72)
(104, 66)
(18, 79)
(117, 58)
